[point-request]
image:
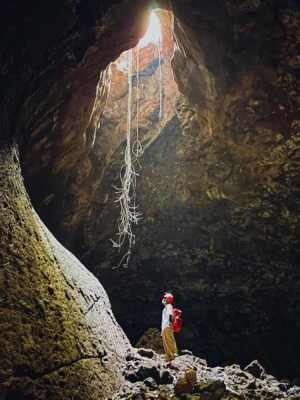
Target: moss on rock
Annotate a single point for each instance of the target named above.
(58, 337)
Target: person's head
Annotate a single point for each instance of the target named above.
(167, 298)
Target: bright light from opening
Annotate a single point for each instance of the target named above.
(153, 34)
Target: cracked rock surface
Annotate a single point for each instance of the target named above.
(58, 338)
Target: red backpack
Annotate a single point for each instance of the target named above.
(177, 320)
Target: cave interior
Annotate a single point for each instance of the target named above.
(210, 107)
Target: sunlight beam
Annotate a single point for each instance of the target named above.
(153, 33)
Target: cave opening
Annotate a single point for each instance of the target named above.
(136, 73)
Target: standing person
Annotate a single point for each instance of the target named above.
(167, 331)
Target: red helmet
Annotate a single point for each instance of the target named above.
(169, 297)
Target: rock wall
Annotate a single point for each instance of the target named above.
(58, 338)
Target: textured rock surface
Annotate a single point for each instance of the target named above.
(219, 188)
(58, 337)
(150, 379)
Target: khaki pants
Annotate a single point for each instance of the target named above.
(169, 344)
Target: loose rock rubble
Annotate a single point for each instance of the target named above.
(149, 377)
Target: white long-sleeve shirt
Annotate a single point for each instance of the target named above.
(165, 320)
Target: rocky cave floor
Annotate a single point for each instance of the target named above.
(147, 376)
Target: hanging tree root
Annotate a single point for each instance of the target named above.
(127, 192)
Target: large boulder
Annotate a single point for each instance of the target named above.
(58, 337)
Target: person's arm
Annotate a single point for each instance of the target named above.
(170, 312)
